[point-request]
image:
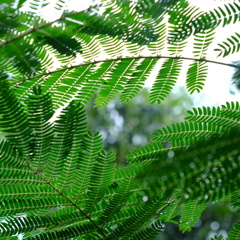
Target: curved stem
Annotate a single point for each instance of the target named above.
(125, 58)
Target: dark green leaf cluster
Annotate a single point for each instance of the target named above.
(57, 182)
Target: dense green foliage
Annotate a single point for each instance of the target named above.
(57, 181)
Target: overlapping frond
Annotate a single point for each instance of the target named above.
(158, 46)
(78, 43)
(136, 220)
(116, 81)
(57, 182)
(76, 188)
(40, 109)
(66, 182)
(172, 210)
(137, 79)
(204, 168)
(209, 182)
(150, 232)
(71, 123)
(14, 122)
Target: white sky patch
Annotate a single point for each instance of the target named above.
(51, 11)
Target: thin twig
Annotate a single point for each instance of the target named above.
(71, 202)
(34, 29)
(124, 58)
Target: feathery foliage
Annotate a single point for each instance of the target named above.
(57, 181)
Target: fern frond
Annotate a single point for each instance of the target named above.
(67, 86)
(146, 153)
(231, 110)
(234, 233)
(21, 56)
(116, 81)
(40, 109)
(229, 46)
(24, 206)
(191, 213)
(137, 79)
(217, 238)
(229, 14)
(235, 198)
(121, 195)
(201, 42)
(131, 27)
(18, 225)
(213, 116)
(57, 184)
(211, 178)
(22, 176)
(91, 148)
(128, 227)
(94, 82)
(25, 192)
(150, 232)
(14, 121)
(71, 123)
(101, 177)
(185, 130)
(180, 16)
(112, 46)
(91, 47)
(196, 76)
(171, 211)
(62, 42)
(176, 48)
(9, 156)
(166, 79)
(158, 46)
(67, 233)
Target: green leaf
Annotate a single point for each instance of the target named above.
(165, 81)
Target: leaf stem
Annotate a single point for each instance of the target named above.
(70, 201)
(124, 58)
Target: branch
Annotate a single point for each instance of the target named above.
(34, 29)
(124, 58)
(70, 201)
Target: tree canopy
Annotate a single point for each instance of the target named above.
(57, 180)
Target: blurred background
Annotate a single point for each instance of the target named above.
(125, 126)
